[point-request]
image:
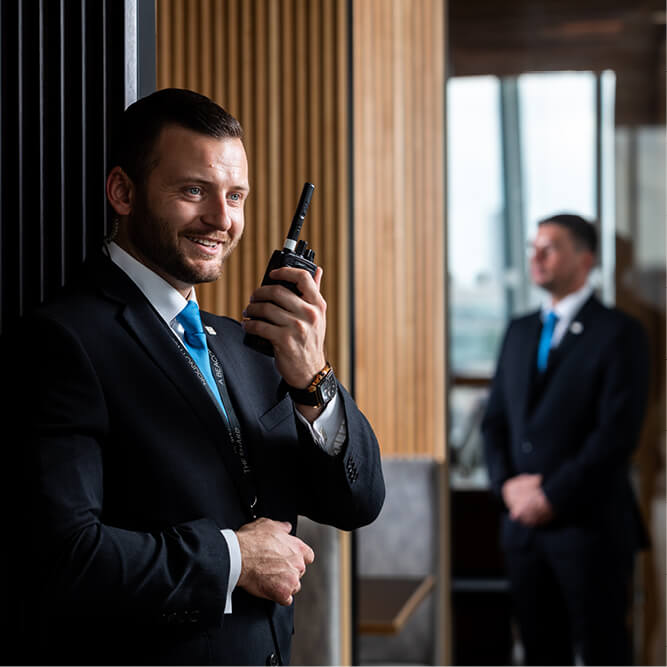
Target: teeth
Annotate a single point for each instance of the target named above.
(204, 242)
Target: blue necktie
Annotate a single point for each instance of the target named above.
(195, 343)
(545, 340)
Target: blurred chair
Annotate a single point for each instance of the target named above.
(317, 618)
(406, 542)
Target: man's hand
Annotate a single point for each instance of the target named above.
(516, 488)
(526, 501)
(272, 560)
(295, 325)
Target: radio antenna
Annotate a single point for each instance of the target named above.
(299, 216)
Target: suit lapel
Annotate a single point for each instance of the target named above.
(527, 371)
(226, 345)
(158, 342)
(575, 332)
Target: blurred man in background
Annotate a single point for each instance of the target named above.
(563, 417)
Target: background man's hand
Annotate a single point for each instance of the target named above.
(295, 325)
(516, 488)
(526, 501)
(272, 560)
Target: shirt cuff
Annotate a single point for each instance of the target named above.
(329, 430)
(234, 565)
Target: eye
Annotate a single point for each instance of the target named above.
(236, 196)
(194, 190)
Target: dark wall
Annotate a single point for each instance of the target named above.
(63, 86)
(65, 80)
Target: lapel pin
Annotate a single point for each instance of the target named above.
(210, 330)
(576, 328)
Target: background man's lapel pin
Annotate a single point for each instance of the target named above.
(210, 330)
(576, 328)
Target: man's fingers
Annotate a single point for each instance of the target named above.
(273, 560)
(307, 284)
(318, 277)
(308, 553)
(281, 314)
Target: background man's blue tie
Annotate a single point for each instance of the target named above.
(545, 340)
(195, 343)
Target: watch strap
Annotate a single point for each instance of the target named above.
(319, 392)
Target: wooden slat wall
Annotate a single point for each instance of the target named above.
(399, 240)
(281, 69)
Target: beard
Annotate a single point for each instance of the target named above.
(154, 238)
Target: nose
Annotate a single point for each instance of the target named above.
(218, 214)
(538, 253)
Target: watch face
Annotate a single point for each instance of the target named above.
(328, 388)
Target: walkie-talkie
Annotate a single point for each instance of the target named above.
(294, 253)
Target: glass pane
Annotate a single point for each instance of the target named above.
(475, 229)
(558, 125)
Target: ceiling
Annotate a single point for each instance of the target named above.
(512, 36)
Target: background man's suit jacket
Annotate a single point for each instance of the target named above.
(576, 425)
(129, 480)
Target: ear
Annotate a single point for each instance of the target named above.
(589, 261)
(120, 191)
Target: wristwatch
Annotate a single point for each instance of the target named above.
(319, 392)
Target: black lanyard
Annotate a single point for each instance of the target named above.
(240, 465)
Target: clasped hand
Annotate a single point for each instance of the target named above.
(526, 501)
(295, 325)
(272, 560)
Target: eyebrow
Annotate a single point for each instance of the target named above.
(203, 181)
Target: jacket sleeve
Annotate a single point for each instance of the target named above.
(495, 428)
(604, 455)
(345, 490)
(177, 574)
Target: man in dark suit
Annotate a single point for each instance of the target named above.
(165, 462)
(563, 416)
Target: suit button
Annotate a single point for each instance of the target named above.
(527, 447)
(272, 659)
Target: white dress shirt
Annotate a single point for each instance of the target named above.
(566, 309)
(328, 431)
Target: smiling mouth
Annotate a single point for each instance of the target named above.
(206, 243)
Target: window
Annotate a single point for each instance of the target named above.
(518, 149)
(475, 222)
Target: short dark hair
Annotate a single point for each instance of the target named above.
(142, 122)
(583, 232)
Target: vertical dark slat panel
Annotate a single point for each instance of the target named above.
(63, 86)
(74, 180)
(29, 155)
(9, 158)
(83, 134)
(20, 155)
(94, 138)
(61, 259)
(3, 96)
(41, 281)
(52, 170)
(104, 115)
(116, 63)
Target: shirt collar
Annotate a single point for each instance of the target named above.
(568, 307)
(165, 298)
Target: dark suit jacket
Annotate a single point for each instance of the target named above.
(577, 425)
(129, 478)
